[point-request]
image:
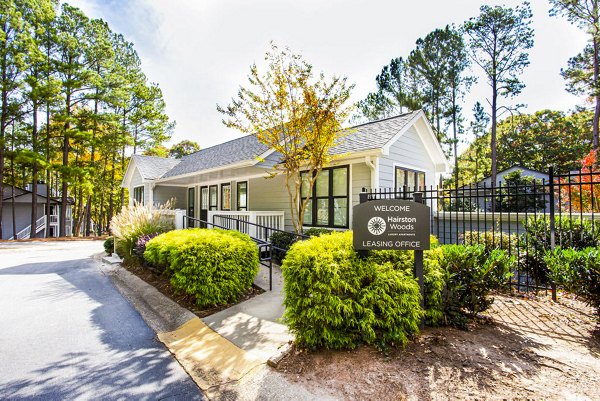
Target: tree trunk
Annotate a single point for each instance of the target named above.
(12, 173)
(122, 174)
(597, 96)
(3, 126)
(455, 139)
(493, 138)
(65, 185)
(34, 172)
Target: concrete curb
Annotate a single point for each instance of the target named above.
(161, 313)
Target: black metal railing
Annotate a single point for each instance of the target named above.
(525, 217)
(266, 249)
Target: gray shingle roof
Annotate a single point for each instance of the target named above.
(373, 135)
(237, 150)
(152, 167)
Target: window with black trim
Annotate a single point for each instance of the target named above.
(138, 195)
(213, 197)
(412, 179)
(328, 204)
(226, 196)
(242, 196)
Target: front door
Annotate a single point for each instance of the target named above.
(191, 206)
(204, 205)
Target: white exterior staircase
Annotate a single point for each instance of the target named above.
(25, 233)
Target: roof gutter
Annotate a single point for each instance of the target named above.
(245, 163)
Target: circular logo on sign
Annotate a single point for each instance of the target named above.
(376, 225)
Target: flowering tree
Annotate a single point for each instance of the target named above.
(296, 114)
(581, 193)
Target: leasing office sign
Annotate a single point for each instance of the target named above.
(391, 224)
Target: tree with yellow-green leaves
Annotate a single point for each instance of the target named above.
(295, 113)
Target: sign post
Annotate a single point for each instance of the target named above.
(394, 224)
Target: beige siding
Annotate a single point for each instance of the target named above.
(409, 151)
(270, 194)
(361, 178)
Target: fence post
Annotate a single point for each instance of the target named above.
(418, 265)
(552, 225)
(363, 197)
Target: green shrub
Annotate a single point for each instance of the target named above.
(281, 242)
(109, 245)
(492, 240)
(572, 233)
(137, 220)
(434, 277)
(577, 271)
(317, 231)
(334, 299)
(215, 266)
(472, 273)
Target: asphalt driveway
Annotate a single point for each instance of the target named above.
(67, 333)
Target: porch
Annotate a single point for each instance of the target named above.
(258, 224)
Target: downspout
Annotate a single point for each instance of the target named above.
(374, 166)
(151, 194)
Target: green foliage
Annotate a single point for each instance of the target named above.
(492, 240)
(334, 299)
(282, 241)
(317, 231)
(295, 112)
(77, 101)
(215, 266)
(574, 233)
(472, 273)
(536, 141)
(136, 221)
(183, 148)
(520, 193)
(109, 245)
(577, 271)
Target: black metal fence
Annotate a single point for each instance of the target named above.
(526, 217)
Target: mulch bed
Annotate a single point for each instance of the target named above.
(162, 284)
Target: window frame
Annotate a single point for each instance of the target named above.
(135, 194)
(416, 173)
(223, 186)
(210, 205)
(330, 197)
(237, 197)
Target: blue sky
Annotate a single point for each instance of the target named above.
(199, 52)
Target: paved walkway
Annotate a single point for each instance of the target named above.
(255, 325)
(67, 333)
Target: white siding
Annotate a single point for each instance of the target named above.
(409, 152)
(136, 181)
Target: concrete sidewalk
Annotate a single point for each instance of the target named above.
(254, 325)
(225, 353)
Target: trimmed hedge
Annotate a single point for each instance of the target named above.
(472, 272)
(334, 299)
(109, 245)
(492, 240)
(577, 271)
(215, 266)
(577, 234)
